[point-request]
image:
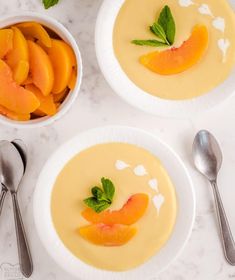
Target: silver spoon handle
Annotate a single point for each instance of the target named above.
(226, 234)
(25, 259)
(2, 198)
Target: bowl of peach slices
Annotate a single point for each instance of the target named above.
(40, 70)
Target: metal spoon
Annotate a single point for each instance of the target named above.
(12, 172)
(4, 189)
(22, 149)
(208, 160)
(19, 144)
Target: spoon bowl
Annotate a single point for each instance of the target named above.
(12, 166)
(22, 149)
(207, 155)
(4, 189)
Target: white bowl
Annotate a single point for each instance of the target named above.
(177, 172)
(134, 95)
(59, 29)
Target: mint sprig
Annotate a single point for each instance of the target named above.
(151, 43)
(163, 28)
(167, 22)
(49, 3)
(158, 30)
(102, 197)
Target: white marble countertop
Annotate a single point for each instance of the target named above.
(97, 105)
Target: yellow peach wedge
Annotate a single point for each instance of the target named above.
(62, 59)
(40, 68)
(38, 114)
(106, 235)
(129, 214)
(14, 116)
(57, 104)
(58, 98)
(18, 57)
(47, 105)
(14, 97)
(6, 41)
(35, 30)
(177, 60)
(73, 79)
(21, 71)
(29, 80)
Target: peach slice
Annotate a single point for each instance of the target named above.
(21, 71)
(18, 57)
(47, 104)
(13, 116)
(39, 114)
(107, 235)
(29, 80)
(62, 59)
(35, 30)
(177, 60)
(14, 97)
(6, 41)
(58, 104)
(130, 213)
(40, 68)
(72, 79)
(60, 97)
(71, 55)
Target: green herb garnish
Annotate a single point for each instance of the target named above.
(163, 28)
(49, 3)
(158, 30)
(102, 197)
(166, 21)
(151, 43)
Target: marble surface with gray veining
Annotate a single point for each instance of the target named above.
(97, 105)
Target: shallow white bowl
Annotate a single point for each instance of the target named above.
(134, 95)
(177, 172)
(59, 29)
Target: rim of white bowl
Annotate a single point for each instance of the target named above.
(185, 219)
(64, 33)
(134, 95)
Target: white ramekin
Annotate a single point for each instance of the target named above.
(59, 29)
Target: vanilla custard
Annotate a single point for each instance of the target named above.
(132, 170)
(212, 69)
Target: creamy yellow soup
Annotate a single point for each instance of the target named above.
(132, 170)
(213, 68)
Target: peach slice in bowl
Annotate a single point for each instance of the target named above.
(30, 45)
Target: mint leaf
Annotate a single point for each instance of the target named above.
(49, 3)
(163, 28)
(157, 30)
(166, 21)
(102, 206)
(97, 206)
(97, 192)
(102, 198)
(151, 43)
(90, 201)
(108, 187)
